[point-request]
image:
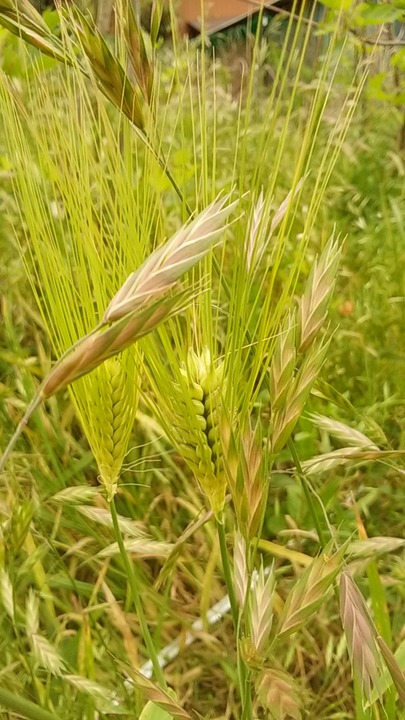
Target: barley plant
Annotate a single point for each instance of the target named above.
(179, 270)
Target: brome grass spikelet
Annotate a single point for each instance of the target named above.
(279, 694)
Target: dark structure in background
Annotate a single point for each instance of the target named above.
(219, 15)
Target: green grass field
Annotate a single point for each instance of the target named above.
(235, 424)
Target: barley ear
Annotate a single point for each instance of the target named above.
(116, 415)
(138, 307)
(197, 404)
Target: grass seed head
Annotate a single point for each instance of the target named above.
(244, 467)
(279, 695)
(396, 672)
(108, 72)
(7, 593)
(286, 418)
(163, 268)
(310, 591)
(360, 633)
(342, 432)
(283, 363)
(115, 424)
(197, 416)
(46, 655)
(313, 306)
(261, 596)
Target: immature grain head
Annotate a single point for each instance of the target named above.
(196, 432)
(111, 432)
(286, 416)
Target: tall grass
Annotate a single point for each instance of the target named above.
(223, 381)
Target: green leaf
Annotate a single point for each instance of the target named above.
(152, 711)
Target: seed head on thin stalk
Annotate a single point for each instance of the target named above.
(360, 633)
(286, 418)
(342, 432)
(310, 591)
(283, 363)
(261, 229)
(299, 353)
(313, 306)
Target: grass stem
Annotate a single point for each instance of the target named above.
(26, 708)
(244, 680)
(308, 497)
(133, 585)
